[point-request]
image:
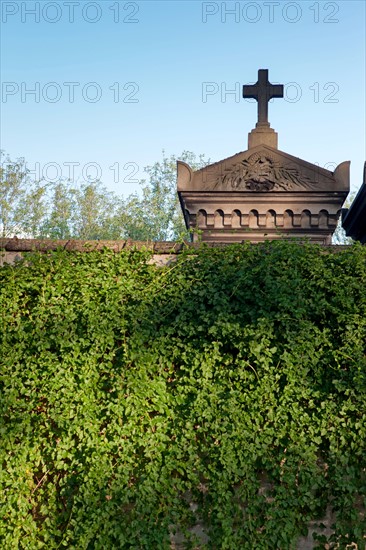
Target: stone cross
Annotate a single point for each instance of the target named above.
(263, 91)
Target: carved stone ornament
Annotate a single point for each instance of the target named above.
(260, 172)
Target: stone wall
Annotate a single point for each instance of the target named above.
(164, 252)
(178, 542)
(12, 250)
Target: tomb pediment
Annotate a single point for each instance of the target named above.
(263, 169)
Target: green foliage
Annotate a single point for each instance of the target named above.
(22, 201)
(228, 388)
(84, 212)
(65, 209)
(157, 215)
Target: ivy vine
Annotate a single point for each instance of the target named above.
(226, 390)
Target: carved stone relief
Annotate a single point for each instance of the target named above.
(261, 172)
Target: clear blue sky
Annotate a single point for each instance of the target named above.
(164, 53)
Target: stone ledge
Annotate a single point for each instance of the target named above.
(159, 247)
(46, 245)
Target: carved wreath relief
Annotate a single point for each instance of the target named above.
(262, 173)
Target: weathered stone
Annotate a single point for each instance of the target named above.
(263, 135)
(262, 193)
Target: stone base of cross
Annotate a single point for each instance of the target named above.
(262, 134)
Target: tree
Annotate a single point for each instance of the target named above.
(156, 215)
(96, 207)
(86, 212)
(22, 201)
(65, 209)
(59, 220)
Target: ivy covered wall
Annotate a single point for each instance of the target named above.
(226, 390)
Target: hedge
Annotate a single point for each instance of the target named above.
(227, 389)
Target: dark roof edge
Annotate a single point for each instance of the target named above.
(354, 219)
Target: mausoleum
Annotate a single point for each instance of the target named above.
(262, 193)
